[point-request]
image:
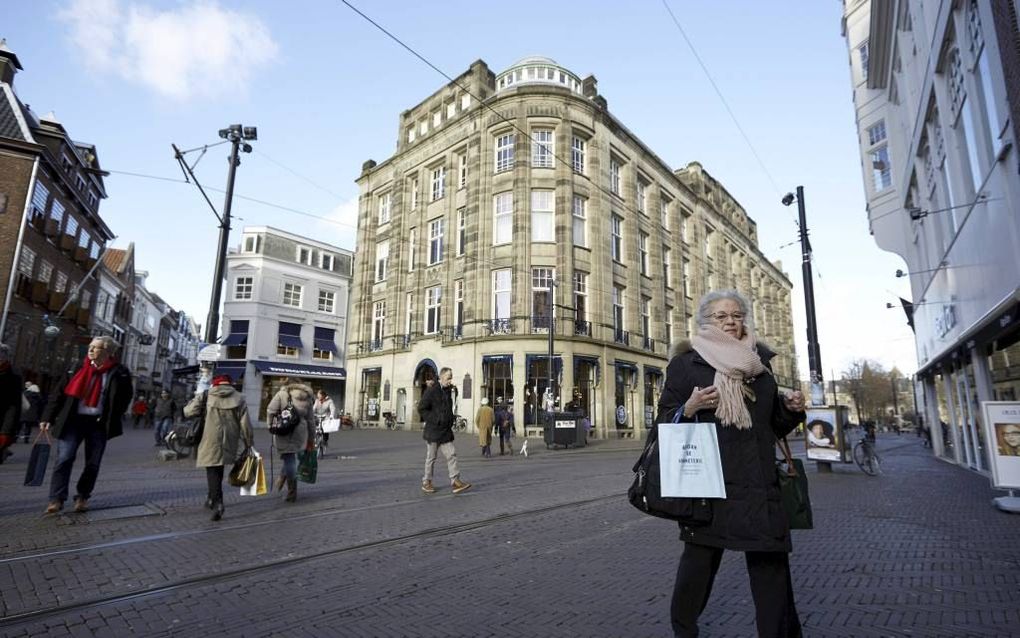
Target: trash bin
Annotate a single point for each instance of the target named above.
(564, 428)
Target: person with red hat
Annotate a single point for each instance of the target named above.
(87, 405)
(226, 434)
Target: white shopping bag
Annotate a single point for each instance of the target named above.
(689, 464)
(331, 425)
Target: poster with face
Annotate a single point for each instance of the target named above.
(824, 436)
(1002, 431)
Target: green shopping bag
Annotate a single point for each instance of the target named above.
(308, 466)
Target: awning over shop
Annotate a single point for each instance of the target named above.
(235, 369)
(275, 368)
(325, 340)
(290, 335)
(238, 333)
(625, 365)
(653, 370)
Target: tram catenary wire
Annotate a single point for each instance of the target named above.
(208, 579)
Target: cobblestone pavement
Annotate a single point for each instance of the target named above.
(540, 546)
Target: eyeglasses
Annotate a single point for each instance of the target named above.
(721, 317)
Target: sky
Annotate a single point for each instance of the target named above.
(326, 88)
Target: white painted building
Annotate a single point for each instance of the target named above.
(285, 315)
(935, 87)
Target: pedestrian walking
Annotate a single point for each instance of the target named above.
(164, 416)
(722, 375)
(296, 396)
(323, 408)
(10, 402)
(506, 431)
(484, 420)
(150, 411)
(436, 409)
(226, 434)
(87, 406)
(31, 407)
(138, 410)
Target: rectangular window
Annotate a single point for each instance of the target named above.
(451, 110)
(579, 210)
(669, 326)
(27, 262)
(465, 102)
(384, 209)
(542, 298)
(71, 229)
(382, 260)
(542, 148)
(83, 239)
(666, 259)
(618, 325)
(378, 322)
(93, 198)
(414, 193)
(686, 274)
(79, 181)
(288, 340)
(423, 128)
(327, 301)
(646, 318)
(66, 164)
(324, 344)
(39, 198)
(435, 241)
(503, 218)
(614, 176)
(862, 52)
(458, 307)
(57, 211)
(461, 231)
(685, 227)
(643, 252)
(437, 119)
(462, 170)
(292, 295)
(501, 294)
(60, 285)
(327, 261)
(543, 217)
(616, 239)
(881, 172)
(642, 196)
(410, 134)
(45, 272)
(577, 155)
(304, 255)
(580, 296)
(708, 242)
(251, 244)
(243, 287)
(409, 316)
(438, 182)
(412, 248)
(433, 304)
(876, 133)
(664, 202)
(504, 152)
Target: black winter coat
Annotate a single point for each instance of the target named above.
(751, 517)
(436, 409)
(115, 399)
(10, 402)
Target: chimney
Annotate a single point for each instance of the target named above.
(9, 64)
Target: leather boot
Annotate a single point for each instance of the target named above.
(291, 490)
(217, 511)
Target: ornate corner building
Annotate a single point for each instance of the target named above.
(516, 204)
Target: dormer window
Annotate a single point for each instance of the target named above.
(65, 163)
(252, 243)
(79, 181)
(304, 255)
(326, 261)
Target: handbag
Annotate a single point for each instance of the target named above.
(190, 432)
(645, 492)
(245, 468)
(308, 466)
(35, 473)
(258, 487)
(793, 489)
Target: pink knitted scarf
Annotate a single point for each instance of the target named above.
(734, 361)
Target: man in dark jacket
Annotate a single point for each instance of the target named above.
(86, 405)
(436, 408)
(10, 402)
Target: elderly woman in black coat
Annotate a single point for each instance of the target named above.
(722, 375)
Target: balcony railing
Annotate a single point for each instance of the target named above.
(540, 325)
(499, 326)
(621, 336)
(582, 328)
(375, 345)
(405, 341)
(649, 344)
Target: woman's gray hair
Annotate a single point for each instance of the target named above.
(718, 295)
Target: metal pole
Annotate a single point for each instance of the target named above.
(814, 354)
(213, 320)
(549, 388)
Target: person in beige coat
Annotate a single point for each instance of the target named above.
(484, 419)
(226, 434)
(303, 436)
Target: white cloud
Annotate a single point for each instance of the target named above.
(196, 49)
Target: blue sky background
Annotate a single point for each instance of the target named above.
(326, 88)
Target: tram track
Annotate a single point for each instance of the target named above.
(197, 581)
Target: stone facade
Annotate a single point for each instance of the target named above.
(517, 196)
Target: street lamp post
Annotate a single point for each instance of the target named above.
(814, 352)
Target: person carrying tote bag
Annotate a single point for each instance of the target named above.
(722, 376)
(226, 435)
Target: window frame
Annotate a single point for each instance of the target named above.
(616, 238)
(578, 149)
(504, 150)
(437, 229)
(543, 151)
(438, 182)
(501, 216)
(296, 292)
(330, 295)
(433, 309)
(240, 286)
(548, 215)
(498, 293)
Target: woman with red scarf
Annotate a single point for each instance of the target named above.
(87, 406)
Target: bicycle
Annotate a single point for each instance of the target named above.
(176, 443)
(320, 440)
(459, 423)
(865, 456)
(391, 420)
